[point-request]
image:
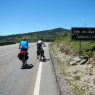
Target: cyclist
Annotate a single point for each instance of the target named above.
(39, 46)
(23, 45)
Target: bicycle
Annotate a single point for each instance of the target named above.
(41, 55)
(23, 56)
(24, 59)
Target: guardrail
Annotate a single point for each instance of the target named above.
(6, 43)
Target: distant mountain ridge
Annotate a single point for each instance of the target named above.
(35, 36)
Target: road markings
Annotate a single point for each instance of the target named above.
(8, 53)
(37, 85)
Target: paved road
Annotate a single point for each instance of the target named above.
(38, 79)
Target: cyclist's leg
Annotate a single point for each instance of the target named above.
(37, 53)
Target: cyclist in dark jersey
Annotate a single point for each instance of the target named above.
(39, 46)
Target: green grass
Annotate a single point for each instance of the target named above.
(77, 78)
(90, 73)
(87, 47)
(53, 49)
(77, 90)
(62, 67)
(76, 72)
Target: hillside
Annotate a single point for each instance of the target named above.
(48, 35)
(80, 76)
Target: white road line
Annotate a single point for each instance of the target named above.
(37, 85)
(8, 53)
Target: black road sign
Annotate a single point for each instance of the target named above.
(82, 34)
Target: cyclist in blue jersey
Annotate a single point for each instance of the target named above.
(23, 45)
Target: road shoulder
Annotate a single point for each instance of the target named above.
(61, 80)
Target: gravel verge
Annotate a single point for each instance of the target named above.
(61, 80)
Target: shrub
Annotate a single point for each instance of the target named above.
(77, 78)
(65, 34)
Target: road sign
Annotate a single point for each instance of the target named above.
(82, 34)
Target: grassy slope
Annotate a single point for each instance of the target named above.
(87, 49)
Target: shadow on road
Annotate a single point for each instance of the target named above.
(44, 60)
(28, 66)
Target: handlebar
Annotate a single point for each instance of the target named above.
(44, 46)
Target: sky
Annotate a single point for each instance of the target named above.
(24, 16)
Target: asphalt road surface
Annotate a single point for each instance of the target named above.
(38, 79)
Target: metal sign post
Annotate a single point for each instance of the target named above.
(79, 49)
(82, 34)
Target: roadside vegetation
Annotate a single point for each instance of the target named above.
(87, 47)
(81, 76)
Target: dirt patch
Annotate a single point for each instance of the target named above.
(79, 78)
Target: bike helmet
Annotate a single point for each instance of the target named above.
(23, 39)
(41, 38)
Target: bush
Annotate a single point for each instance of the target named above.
(77, 77)
(65, 34)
